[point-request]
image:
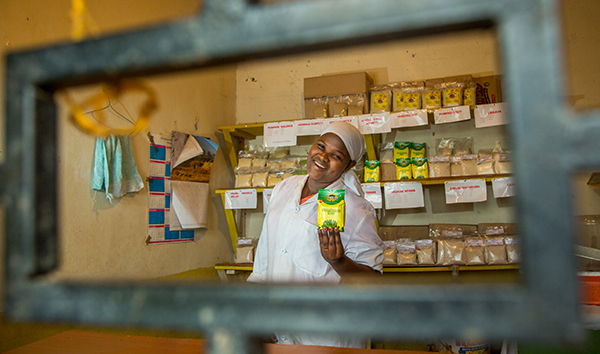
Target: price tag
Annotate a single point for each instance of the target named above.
(279, 134)
(375, 123)
(503, 187)
(309, 126)
(466, 191)
(373, 194)
(453, 114)
(409, 118)
(349, 119)
(240, 199)
(403, 195)
(266, 199)
(489, 115)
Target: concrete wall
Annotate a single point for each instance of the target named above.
(103, 240)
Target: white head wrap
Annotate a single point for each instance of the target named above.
(355, 144)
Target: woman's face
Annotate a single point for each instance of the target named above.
(327, 159)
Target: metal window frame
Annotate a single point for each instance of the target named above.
(543, 308)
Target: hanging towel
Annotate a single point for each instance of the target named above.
(115, 172)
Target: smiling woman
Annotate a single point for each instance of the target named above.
(292, 248)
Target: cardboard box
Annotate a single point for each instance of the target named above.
(335, 85)
(489, 89)
(391, 233)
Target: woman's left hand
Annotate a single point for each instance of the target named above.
(331, 246)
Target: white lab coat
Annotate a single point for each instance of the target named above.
(288, 248)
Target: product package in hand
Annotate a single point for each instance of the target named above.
(331, 208)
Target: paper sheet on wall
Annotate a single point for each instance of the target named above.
(373, 194)
(375, 123)
(489, 115)
(503, 187)
(466, 191)
(159, 195)
(279, 134)
(241, 199)
(309, 126)
(349, 119)
(451, 115)
(403, 195)
(409, 118)
(190, 201)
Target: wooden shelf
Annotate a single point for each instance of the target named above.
(399, 269)
(423, 181)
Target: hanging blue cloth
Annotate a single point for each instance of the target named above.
(115, 172)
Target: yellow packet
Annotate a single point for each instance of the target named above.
(403, 169)
(372, 171)
(432, 99)
(331, 208)
(453, 96)
(412, 100)
(417, 150)
(401, 150)
(469, 95)
(420, 169)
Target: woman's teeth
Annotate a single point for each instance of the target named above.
(319, 164)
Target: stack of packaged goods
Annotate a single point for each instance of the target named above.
(266, 168)
(450, 245)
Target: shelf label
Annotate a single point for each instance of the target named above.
(309, 126)
(409, 118)
(241, 199)
(403, 195)
(349, 119)
(503, 187)
(466, 191)
(489, 115)
(279, 134)
(266, 199)
(375, 123)
(451, 115)
(373, 194)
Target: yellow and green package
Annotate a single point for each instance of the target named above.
(398, 100)
(469, 93)
(453, 96)
(372, 171)
(401, 150)
(403, 169)
(331, 208)
(420, 169)
(418, 150)
(412, 99)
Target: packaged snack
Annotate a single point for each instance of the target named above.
(274, 178)
(340, 107)
(495, 250)
(401, 150)
(403, 169)
(420, 169)
(243, 177)
(469, 93)
(397, 99)
(425, 252)
(290, 162)
(485, 162)
(418, 150)
(513, 253)
(407, 252)
(451, 230)
(245, 159)
(273, 164)
(380, 99)
(279, 152)
(321, 108)
(455, 169)
(497, 229)
(452, 94)
(474, 251)
(245, 251)
(389, 253)
(260, 178)
(451, 251)
(331, 208)
(439, 166)
(432, 94)
(388, 170)
(462, 346)
(372, 171)
(412, 98)
(356, 104)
